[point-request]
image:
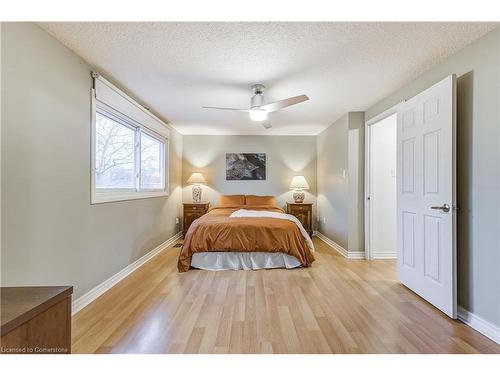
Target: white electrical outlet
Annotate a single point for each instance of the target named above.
(177, 220)
(317, 218)
(324, 220)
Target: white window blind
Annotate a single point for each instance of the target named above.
(109, 94)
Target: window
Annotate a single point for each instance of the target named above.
(129, 158)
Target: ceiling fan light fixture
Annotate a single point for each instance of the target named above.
(259, 110)
(258, 115)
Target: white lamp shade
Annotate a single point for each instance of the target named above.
(299, 183)
(196, 178)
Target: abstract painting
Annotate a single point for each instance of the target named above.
(245, 166)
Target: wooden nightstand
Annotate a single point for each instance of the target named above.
(192, 211)
(303, 212)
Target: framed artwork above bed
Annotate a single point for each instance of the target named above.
(245, 166)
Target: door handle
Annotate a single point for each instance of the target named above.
(445, 208)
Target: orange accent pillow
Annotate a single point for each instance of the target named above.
(260, 200)
(236, 200)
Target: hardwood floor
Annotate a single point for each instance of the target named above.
(336, 306)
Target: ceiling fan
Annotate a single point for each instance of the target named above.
(258, 110)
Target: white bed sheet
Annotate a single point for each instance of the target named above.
(256, 260)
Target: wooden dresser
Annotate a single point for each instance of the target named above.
(192, 211)
(36, 320)
(303, 212)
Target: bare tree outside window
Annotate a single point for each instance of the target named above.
(114, 154)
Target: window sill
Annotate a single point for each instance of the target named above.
(98, 198)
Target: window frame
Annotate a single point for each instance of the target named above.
(124, 194)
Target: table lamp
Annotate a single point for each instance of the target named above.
(196, 179)
(299, 184)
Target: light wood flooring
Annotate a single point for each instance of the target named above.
(336, 306)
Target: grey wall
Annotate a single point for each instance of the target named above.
(333, 196)
(340, 170)
(50, 232)
(286, 157)
(478, 168)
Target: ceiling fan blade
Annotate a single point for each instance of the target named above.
(267, 125)
(228, 109)
(272, 107)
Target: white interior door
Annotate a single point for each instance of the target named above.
(426, 194)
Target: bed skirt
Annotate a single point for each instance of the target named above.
(220, 261)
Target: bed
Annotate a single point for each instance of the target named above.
(232, 236)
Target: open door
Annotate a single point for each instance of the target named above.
(426, 195)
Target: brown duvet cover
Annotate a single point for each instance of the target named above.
(215, 231)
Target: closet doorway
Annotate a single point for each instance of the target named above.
(381, 187)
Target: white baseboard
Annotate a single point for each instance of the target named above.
(356, 255)
(335, 246)
(381, 256)
(481, 325)
(100, 289)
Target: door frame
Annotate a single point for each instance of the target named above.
(368, 123)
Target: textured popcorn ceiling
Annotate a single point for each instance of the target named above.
(175, 68)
